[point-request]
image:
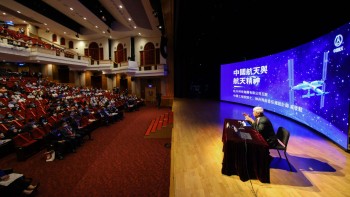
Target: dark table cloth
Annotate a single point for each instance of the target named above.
(247, 158)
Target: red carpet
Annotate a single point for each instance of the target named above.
(117, 162)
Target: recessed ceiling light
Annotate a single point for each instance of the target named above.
(84, 18)
(18, 12)
(71, 9)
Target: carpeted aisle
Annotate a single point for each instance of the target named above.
(119, 161)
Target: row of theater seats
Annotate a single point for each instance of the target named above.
(30, 142)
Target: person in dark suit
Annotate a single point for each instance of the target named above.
(263, 125)
(11, 185)
(55, 143)
(159, 99)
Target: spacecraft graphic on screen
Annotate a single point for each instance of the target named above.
(318, 86)
(313, 85)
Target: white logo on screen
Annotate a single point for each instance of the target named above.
(338, 40)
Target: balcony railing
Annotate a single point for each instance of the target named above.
(27, 52)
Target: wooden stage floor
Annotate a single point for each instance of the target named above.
(320, 167)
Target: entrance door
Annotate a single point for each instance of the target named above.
(123, 84)
(150, 94)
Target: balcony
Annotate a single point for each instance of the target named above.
(20, 51)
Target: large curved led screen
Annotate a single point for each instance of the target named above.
(309, 83)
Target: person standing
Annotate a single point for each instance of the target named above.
(159, 99)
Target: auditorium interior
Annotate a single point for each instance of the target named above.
(154, 65)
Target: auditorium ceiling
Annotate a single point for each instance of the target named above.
(88, 19)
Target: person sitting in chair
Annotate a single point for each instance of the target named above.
(14, 184)
(263, 125)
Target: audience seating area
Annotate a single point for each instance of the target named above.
(32, 107)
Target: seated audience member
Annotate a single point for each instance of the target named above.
(12, 131)
(74, 121)
(31, 105)
(112, 116)
(2, 105)
(30, 125)
(16, 107)
(17, 88)
(72, 139)
(11, 104)
(14, 184)
(9, 117)
(114, 111)
(30, 95)
(55, 144)
(103, 117)
(3, 89)
(4, 95)
(42, 121)
(86, 111)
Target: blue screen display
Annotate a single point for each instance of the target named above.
(309, 83)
